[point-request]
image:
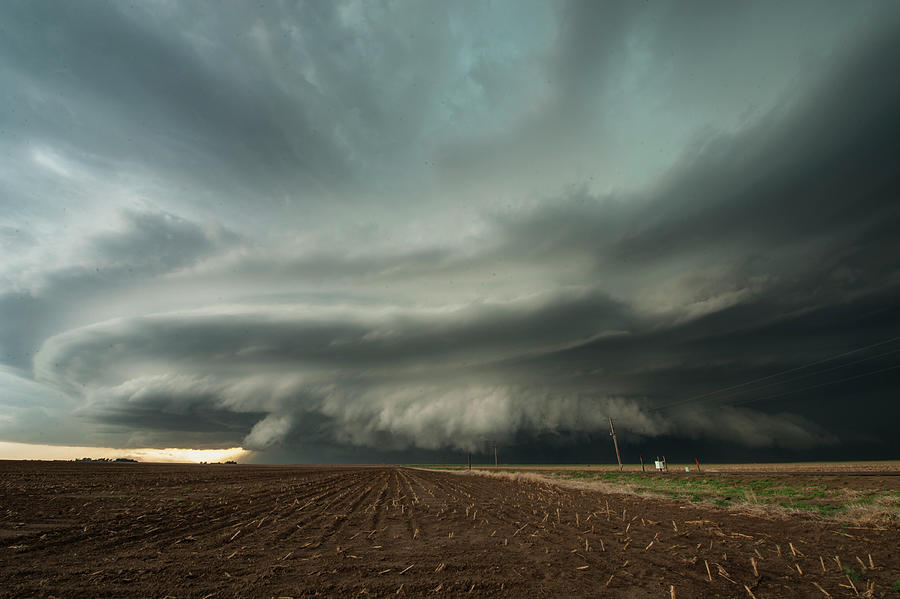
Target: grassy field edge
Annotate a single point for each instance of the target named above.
(767, 495)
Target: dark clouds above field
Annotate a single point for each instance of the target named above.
(367, 231)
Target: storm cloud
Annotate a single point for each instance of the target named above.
(358, 231)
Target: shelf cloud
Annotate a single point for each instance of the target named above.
(344, 231)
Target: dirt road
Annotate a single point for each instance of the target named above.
(142, 530)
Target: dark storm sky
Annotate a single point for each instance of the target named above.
(373, 231)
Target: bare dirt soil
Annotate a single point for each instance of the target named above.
(145, 530)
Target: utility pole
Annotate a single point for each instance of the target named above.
(612, 432)
(496, 462)
(470, 460)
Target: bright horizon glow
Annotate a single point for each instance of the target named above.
(28, 451)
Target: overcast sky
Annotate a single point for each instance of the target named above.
(367, 231)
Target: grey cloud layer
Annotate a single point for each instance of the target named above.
(338, 225)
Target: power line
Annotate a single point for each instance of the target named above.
(849, 378)
(805, 376)
(771, 376)
(832, 369)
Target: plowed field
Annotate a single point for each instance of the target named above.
(143, 530)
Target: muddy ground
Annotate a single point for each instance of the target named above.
(204, 531)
